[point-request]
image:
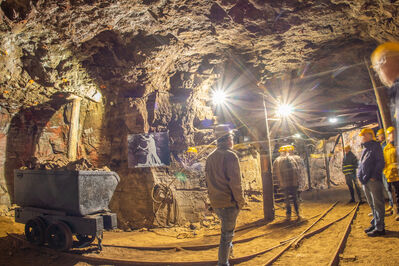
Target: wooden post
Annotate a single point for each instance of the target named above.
(268, 189)
(343, 145)
(308, 166)
(74, 129)
(326, 163)
(382, 100)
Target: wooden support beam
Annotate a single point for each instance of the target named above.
(382, 100)
(74, 129)
(326, 163)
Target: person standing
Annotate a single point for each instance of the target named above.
(223, 178)
(369, 174)
(286, 171)
(381, 140)
(391, 166)
(349, 166)
(301, 170)
(385, 61)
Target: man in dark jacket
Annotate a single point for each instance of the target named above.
(349, 166)
(370, 175)
(223, 177)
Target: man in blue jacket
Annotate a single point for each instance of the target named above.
(369, 174)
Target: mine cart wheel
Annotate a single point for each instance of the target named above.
(34, 231)
(59, 236)
(87, 239)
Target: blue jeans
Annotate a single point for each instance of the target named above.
(386, 186)
(374, 193)
(228, 217)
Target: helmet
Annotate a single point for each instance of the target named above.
(381, 50)
(390, 129)
(347, 147)
(367, 131)
(282, 149)
(380, 131)
(222, 131)
(192, 149)
(290, 148)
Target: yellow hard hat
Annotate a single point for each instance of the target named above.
(383, 49)
(390, 129)
(290, 148)
(192, 149)
(367, 131)
(380, 132)
(347, 147)
(282, 149)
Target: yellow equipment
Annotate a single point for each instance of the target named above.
(380, 132)
(347, 147)
(390, 129)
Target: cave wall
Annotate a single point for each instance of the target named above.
(317, 164)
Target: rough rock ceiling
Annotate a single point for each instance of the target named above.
(134, 48)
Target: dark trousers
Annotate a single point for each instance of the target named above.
(395, 186)
(293, 192)
(350, 180)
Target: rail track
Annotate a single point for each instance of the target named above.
(141, 255)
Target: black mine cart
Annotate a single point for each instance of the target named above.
(55, 205)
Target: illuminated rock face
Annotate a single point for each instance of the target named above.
(148, 66)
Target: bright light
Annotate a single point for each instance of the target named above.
(297, 135)
(333, 120)
(284, 110)
(219, 97)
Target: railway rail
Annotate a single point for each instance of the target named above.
(288, 244)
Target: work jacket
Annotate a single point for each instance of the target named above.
(286, 171)
(349, 164)
(391, 163)
(223, 178)
(371, 162)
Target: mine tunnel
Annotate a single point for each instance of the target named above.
(227, 132)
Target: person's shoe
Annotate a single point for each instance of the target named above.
(371, 228)
(287, 218)
(361, 201)
(389, 209)
(351, 201)
(387, 213)
(376, 233)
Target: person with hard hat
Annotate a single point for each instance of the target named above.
(223, 178)
(286, 172)
(349, 166)
(385, 61)
(381, 140)
(301, 169)
(369, 173)
(391, 166)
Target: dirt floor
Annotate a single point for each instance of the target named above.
(316, 250)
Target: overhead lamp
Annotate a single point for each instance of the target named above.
(284, 110)
(219, 97)
(333, 120)
(297, 136)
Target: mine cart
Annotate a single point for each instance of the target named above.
(55, 205)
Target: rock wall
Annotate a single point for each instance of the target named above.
(317, 163)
